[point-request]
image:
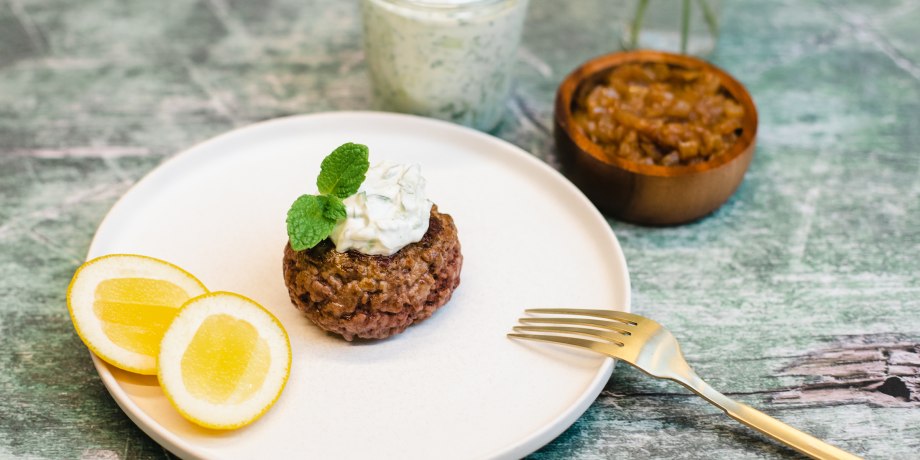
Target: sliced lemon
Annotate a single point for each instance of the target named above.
(224, 360)
(121, 304)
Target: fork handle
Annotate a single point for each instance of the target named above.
(798, 440)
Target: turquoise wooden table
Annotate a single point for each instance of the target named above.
(800, 296)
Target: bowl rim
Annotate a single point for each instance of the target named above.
(572, 82)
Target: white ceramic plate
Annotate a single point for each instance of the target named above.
(451, 387)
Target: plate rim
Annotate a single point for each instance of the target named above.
(517, 449)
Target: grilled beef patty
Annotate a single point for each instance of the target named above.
(373, 297)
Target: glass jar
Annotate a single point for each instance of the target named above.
(447, 59)
(685, 26)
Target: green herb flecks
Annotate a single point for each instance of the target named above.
(312, 217)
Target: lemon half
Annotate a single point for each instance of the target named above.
(224, 360)
(121, 304)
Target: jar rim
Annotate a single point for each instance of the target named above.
(442, 5)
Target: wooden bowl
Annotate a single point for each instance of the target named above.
(649, 194)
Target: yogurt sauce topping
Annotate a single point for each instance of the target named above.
(389, 211)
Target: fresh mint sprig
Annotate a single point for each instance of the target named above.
(312, 217)
(342, 172)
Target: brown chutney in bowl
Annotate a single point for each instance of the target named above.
(654, 138)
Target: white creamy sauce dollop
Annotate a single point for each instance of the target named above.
(389, 212)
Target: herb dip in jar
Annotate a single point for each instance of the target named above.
(447, 59)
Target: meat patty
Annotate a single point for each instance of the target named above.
(373, 297)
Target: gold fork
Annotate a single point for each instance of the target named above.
(652, 349)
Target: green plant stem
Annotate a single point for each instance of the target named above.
(637, 23)
(712, 22)
(684, 26)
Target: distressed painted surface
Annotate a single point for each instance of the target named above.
(800, 296)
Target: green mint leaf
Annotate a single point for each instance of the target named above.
(342, 172)
(334, 208)
(312, 217)
(307, 221)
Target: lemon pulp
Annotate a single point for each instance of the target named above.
(226, 361)
(135, 312)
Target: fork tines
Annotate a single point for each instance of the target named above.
(607, 327)
(620, 316)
